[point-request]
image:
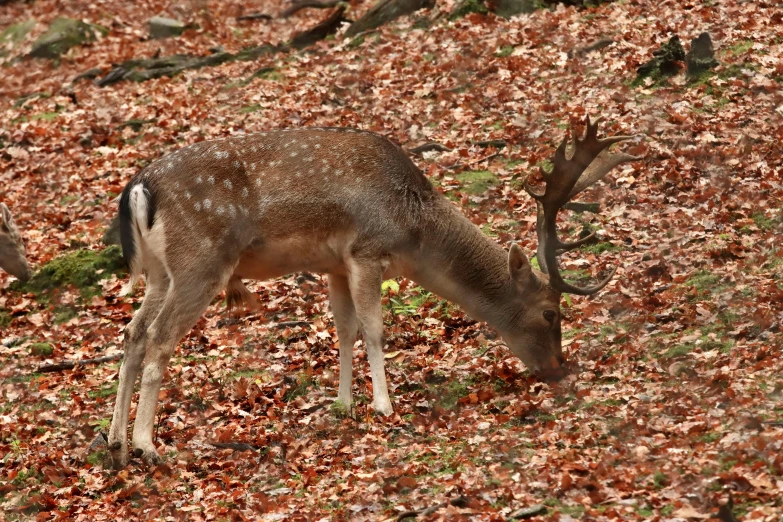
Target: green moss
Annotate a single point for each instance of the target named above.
(476, 182)
(5, 318)
(599, 248)
(339, 409)
(303, 383)
(763, 221)
(82, 269)
(454, 391)
(106, 391)
(468, 6)
(250, 108)
(741, 47)
(703, 281)
(678, 351)
(41, 349)
(506, 50)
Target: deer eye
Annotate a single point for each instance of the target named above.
(550, 316)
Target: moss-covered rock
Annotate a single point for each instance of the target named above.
(82, 269)
(465, 7)
(13, 34)
(477, 182)
(64, 33)
(701, 57)
(162, 27)
(666, 62)
(41, 349)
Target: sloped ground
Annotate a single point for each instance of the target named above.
(678, 396)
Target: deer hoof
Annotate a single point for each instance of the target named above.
(116, 459)
(148, 455)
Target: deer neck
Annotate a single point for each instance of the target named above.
(458, 262)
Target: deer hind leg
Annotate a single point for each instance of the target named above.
(135, 347)
(347, 329)
(365, 279)
(188, 297)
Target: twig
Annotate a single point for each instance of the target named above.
(304, 4)
(237, 446)
(498, 144)
(456, 502)
(600, 44)
(254, 16)
(67, 365)
(292, 324)
(430, 145)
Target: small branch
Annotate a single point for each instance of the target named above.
(429, 146)
(292, 324)
(600, 44)
(304, 4)
(254, 16)
(67, 365)
(237, 446)
(456, 502)
(498, 144)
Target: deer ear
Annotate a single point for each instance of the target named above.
(6, 220)
(518, 265)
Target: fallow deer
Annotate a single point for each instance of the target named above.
(343, 202)
(12, 251)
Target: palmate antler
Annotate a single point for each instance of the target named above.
(588, 163)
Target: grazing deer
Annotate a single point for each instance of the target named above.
(12, 251)
(345, 202)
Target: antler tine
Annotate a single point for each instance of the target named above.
(589, 162)
(600, 167)
(567, 288)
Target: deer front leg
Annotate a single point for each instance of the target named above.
(365, 278)
(347, 326)
(135, 346)
(184, 304)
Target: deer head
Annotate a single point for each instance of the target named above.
(12, 251)
(576, 166)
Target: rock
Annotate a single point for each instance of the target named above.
(701, 57)
(509, 8)
(666, 62)
(64, 33)
(162, 27)
(13, 34)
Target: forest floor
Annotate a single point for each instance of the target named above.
(676, 400)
